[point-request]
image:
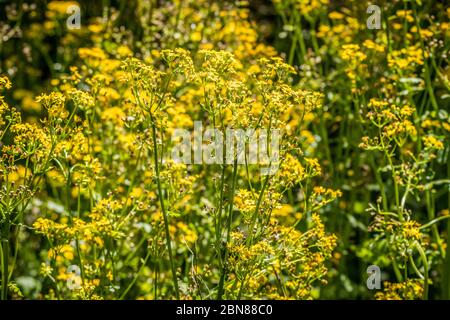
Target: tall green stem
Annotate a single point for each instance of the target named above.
(5, 261)
(230, 218)
(163, 208)
(425, 272)
(446, 278)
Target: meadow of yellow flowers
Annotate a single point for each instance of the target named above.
(93, 204)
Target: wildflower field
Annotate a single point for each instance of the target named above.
(197, 149)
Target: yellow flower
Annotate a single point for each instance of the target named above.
(124, 51)
(431, 142)
(91, 53)
(82, 99)
(5, 83)
(405, 58)
(56, 8)
(196, 36)
(410, 230)
(352, 52)
(369, 44)
(291, 171)
(336, 15)
(245, 201)
(411, 289)
(407, 14)
(95, 27)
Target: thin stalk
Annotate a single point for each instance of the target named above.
(255, 213)
(5, 260)
(122, 296)
(397, 272)
(429, 85)
(230, 218)
(431, 216)
(156, 281)
(425, 273)
(77, 243)
(446, 278)
(299, 31)
(432, 222)
(163, 208)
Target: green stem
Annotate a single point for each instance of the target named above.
(446, 278)
(429, 85)
(425, 267)
(5, 262)
(163, 208)
(255, 213)
(416, 270)
(122, 296)
(230, 218)
(431, 216)
(432, 222)
(397, 272)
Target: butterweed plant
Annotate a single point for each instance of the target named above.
(206, 150)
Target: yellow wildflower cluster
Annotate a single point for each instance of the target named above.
(352, 148)
(406, 58)
(408, 290)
